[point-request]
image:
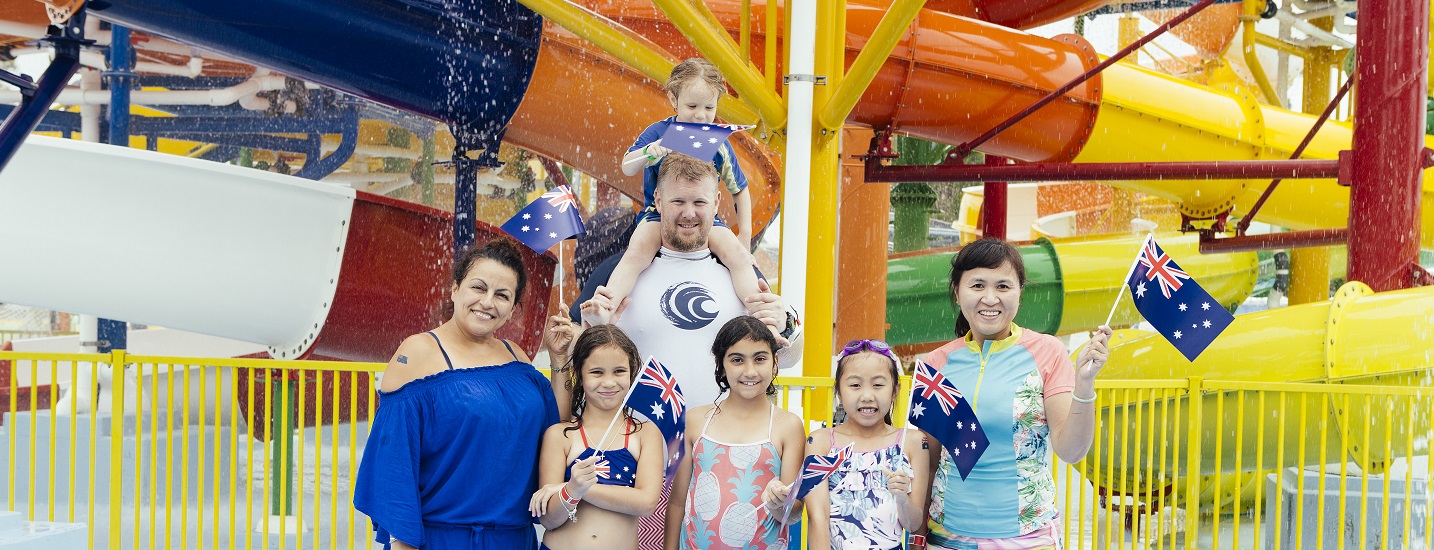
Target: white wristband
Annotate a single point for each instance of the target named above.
(1079, 399)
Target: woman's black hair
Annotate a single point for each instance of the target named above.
(589, 341)
(895, 379)
(503, 251)
(987, 253)
(738, 329)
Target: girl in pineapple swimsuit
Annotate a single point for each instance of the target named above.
(742, 457)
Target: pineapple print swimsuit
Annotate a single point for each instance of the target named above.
(724, 506)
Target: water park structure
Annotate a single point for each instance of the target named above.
(129, 191)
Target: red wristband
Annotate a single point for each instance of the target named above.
(563, 494)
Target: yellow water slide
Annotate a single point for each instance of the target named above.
(1357, 338)
(1148, 116)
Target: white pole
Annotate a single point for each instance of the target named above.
(802, 45)
(1123, 282)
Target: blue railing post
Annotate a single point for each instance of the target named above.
(114, 334)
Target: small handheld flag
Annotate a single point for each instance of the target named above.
(938, 409)
(656, 395)
(1172, 302)
(548, 220)
(700, 141)
(817, 468)
(815, 471)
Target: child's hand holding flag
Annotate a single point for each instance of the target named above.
(815, 470)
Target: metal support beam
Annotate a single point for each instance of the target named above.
(713, 44)
(963, 149)
(35, 102)
(1309, 136)
(316, 168)
(1251, 14)
(114, 334)
(327, 124)
(878, 48)
(1109, 171)
(465, 189)
(1388, 146)
(644, 56)
(993, 203)
(1273, 241)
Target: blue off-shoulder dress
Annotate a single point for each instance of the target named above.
(451, 460)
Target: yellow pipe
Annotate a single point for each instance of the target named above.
(724, 40)
(636, 52)
(878, 48)
(117, 361)
(1192, 498)
(744, 33)
(769, 44)
(1251, 15)
(1277, 44)
(1147, 116)
(821, 226)
(737, 71)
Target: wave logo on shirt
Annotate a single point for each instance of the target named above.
(689, 306)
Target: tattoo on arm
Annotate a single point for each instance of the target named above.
(925, 444)
(403, 359)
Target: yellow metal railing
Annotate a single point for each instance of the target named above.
(202, 460)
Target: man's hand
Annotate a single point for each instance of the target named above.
(770, 309)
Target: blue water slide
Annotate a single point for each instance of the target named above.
(464, 62)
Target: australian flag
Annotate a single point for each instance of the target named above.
(817, 468)
(656, 395)
(943, 413)
(700, 141)
(547, 220)
(1172, 302)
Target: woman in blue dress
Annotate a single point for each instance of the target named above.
(451, 458)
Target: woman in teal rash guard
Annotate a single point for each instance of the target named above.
(1030, 400)
(451, 460)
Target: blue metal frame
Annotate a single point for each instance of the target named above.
(54, 121)
(35, 101)
(316, 168)
(121, 77)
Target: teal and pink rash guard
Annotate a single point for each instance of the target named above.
(1010, 492)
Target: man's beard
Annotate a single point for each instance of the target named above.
(671, 239)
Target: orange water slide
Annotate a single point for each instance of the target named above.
(949, 78)
(584, 107)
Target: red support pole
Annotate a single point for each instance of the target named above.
(1273, 241)
(1390, 71)
(993, 203)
